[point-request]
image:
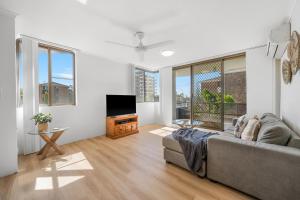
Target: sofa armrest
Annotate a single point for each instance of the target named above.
(265, 171)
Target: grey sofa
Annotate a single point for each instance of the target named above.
(266, 171)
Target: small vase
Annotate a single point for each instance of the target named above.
(42, 127)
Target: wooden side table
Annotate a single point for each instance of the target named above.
(50, 137)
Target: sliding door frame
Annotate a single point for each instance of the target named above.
(220, 59)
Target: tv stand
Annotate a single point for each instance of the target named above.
(122, 125)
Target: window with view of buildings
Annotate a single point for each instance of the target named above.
(146, 86)
(56, 76)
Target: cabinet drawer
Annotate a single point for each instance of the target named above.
(134, 127)
(128, 128)
(119, 129)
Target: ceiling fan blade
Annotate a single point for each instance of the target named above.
(120, 44)
(159, 44)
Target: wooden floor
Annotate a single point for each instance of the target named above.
(101, 168)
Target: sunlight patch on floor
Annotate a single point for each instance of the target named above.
(66, 180)
(75, 161)
(46, 183)
(43, 183)
(162, 131)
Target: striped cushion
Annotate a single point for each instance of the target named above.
(239, 126)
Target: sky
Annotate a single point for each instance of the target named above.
(62, 67)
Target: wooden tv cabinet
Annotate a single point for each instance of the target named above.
(122, 125)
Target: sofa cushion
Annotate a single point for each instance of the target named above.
(294, 141)
(268, 118)
(251, 130)
(239, 126)
(170, 143)
(273, 130)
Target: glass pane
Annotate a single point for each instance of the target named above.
(156, 86)
(149, 86)
(20, 76)
(183, 93)
(62, 83)
(43, 76)
(139, 85)
(62, 92)
(235, 103)
(207, 95)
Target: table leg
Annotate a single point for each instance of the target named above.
(42, 150)
(50, 142)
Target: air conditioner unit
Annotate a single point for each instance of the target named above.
(278, 40)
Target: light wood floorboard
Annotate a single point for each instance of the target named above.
(101, 168)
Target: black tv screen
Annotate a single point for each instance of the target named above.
(120, 105)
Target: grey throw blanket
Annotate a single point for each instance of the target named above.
(193, 143)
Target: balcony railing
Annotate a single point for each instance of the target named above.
(183, 110)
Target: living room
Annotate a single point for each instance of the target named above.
(149, 99)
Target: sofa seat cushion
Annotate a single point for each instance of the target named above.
(170, 143)
(273, 130)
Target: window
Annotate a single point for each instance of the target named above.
(56, 76)
(146, 86)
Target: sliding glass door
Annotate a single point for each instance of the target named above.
(207, 92)
(182, 78)
(235, 92)
(211, 93)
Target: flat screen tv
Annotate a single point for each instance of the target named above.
(120, 105)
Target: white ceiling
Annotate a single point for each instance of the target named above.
(200, 28)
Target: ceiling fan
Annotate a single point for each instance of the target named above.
(141, 47)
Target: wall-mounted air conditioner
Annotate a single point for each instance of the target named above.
(278, 40)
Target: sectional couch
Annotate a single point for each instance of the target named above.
(260, 168)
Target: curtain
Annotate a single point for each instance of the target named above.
(29, 143)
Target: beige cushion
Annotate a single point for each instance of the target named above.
(250, 132)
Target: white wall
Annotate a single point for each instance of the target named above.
(8, 134)
(166, 98)
(261, 83)
(290, 93)
(148, 113)
(96, 77)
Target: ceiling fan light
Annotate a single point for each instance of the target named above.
(84, 2)
(167, 53)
